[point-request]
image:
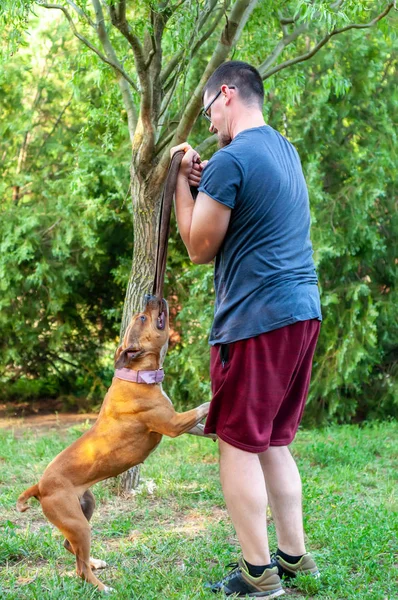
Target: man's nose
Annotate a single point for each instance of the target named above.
(212, 129)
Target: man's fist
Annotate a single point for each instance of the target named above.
(196, 173)
(191, 166)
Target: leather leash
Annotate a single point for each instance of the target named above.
(164, 222)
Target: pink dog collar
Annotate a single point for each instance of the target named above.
(140, 376)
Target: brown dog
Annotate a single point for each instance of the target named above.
(133, 417)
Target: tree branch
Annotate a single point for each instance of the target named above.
(280, 47)
(88, 43)
(171, 65)
(207, 143)
(159, 20)
(81, 13)
(119, 20)
(152, 39)
(110, 52)
(324, 41)
(144, 129)
(148, 61)
(240, 13)
(43, 233)
(291, 20)
(122, 8)
(178, 61)
(208, 33)
(203, 17)
(57, 122)
(165, 141)
(206, 13)
(288, 20)
(170, 89)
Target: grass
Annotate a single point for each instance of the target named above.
(174, 534)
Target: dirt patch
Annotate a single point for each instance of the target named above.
(46, 422)
(26, 408)
(32, 526)
(40, 415)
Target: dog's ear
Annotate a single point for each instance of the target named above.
(124, 358)
(120, 361)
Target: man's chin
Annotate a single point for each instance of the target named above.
(223, 140)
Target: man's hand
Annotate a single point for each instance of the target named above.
(202, 223)
(191, 166)
(196, 173)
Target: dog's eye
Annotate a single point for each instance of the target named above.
(143, 318)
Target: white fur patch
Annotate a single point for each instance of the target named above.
(108, 590)
(97, 564)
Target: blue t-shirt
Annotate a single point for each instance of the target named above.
(264, 272)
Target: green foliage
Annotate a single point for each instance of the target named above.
(346, 141)
(65, 227)
(191, 291)
(64, 224)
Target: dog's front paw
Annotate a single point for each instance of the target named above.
(204, 408)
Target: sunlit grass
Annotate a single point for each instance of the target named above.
(174, 534)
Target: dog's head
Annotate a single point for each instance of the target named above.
(146, 338)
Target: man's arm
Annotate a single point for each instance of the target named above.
(202, 223)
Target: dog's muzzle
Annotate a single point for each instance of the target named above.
(153, 302)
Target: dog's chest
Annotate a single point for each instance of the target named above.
(165, 395)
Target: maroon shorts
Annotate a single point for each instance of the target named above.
(260, 386)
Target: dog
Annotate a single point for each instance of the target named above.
(134, 416)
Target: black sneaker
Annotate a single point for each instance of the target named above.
(305, 566)
(240, 583)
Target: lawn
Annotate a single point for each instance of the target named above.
(166, 540)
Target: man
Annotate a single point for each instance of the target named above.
(252, 216)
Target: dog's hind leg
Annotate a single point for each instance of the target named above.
(87, 503)
(65, 512)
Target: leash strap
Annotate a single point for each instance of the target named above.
(164, 222)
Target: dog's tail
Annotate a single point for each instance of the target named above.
(29, 493)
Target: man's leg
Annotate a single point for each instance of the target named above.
(245, 495)
(284, 490)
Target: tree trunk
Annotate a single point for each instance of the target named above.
(145, 221)
(146, 207)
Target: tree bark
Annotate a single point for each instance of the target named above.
(146, 195)
(146, 207)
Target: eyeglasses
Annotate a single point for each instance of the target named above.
(206, 108)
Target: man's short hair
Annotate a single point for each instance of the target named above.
(246, 78)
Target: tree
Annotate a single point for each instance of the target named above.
(196, 37)
(63, 220)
